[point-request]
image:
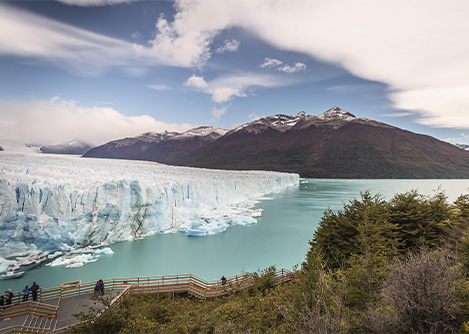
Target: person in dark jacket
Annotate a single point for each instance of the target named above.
(101, 285)
(34, 289)
(8, 297)
(97, 289)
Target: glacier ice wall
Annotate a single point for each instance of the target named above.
(57, 202)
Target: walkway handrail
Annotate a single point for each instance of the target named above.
(186, 283)
(23, 330)
(165, 280)
(115, 303)
(201, 288)
(33, 308)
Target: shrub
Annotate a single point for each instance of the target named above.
(419, 296)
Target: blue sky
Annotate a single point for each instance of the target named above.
(105, 69)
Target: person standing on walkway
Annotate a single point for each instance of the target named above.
(34, 289)
(25, 293)
(223, 280)
(97, 289)
(8, 296)
(101, 285)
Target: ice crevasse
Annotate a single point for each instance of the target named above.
(52, 202)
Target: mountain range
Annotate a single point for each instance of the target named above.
(334, 144)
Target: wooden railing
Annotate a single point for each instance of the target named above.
(33, 308)
(186, 283)
(24, 330)
(160, 284)
(115, 303)
(200, 287)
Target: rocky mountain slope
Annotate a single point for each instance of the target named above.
(334, 144)
(167, 147)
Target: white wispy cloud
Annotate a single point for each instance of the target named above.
(293, 69)
(276, 64)
(354, 89)
(137, 36)
(253, 116)
(225, 88)
(57, 120)
(217, 113)
(29, 35)
(175, 45)
(33, 36)
(225, 94)
(159, 87)
(196, 82)
(400, 114)
(270, 62)
(230, 46)
(219, 94)
(458, 140)
(89, 3)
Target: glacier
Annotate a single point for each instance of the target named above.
(57, 203)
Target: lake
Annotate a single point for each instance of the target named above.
(279, 238)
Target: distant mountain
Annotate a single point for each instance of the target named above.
(464, 147)
(334, 144)
(167, 147)
(1, 148)
(71, 147)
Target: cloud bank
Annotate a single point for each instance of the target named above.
(29, 35)
(32, 36)
(57, 121)
(418, 48)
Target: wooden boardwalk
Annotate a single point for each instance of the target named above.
(52, 313)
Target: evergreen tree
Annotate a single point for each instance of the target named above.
(461, 206)
(362, 227)
(420, 220)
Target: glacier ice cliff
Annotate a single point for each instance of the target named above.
(53, 202)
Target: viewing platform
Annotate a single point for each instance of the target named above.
(53, 311)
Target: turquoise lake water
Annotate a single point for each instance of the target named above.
(279, 238)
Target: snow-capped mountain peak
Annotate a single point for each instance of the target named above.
(336, 113)
(284, 121)
(202, 131)
(464, 147)
(278, 122)
(156, 136)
